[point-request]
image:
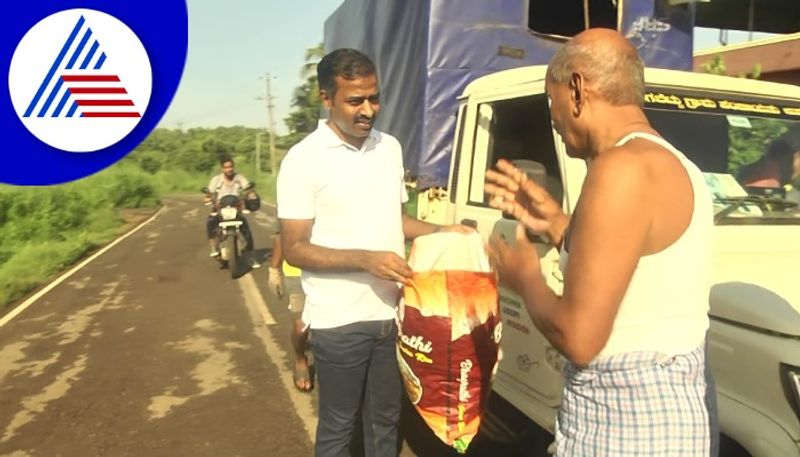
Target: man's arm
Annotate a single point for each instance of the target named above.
(209, 197)
(274, 273)
(300, 252)
(277, 252)
(413, 227)
(605, 246)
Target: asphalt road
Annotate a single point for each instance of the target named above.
(152, 350)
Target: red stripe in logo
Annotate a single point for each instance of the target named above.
(112, 114)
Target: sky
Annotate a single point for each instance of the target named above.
(234, 43)
(705, 38)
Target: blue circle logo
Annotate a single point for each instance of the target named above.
(86, 85)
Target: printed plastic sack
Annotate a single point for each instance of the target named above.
(449, 334)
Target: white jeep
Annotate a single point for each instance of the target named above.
(720, 123)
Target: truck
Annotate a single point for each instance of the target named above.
(462, 86)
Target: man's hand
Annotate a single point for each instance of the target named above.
(511, 191)
(275, 282)
(515, 266)
(206, 199)
(386, 265)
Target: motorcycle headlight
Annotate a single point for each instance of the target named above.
(228, 213)
(790, 378)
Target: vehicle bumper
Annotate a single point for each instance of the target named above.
(760, 435)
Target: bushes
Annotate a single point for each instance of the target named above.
(50, 213)
(31, 264)
(130, 188)
(45, 229)
(172, 181)
(40, 213)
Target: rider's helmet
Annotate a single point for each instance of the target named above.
(252, 201)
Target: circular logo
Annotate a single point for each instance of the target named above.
(80, 80)
(117, 66)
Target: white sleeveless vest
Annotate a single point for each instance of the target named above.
(665, 308)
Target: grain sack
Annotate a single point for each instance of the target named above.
(449, 334)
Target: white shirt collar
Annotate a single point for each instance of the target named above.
(332, 140)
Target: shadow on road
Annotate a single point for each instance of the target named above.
(422, 442)
(418, 440)
(259, 255)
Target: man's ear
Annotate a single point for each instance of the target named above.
(577, 94)
(326, 101)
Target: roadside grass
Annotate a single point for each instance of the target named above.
(44, 230)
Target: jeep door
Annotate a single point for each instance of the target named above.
(515, 127)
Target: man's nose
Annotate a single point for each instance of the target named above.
(367, 109)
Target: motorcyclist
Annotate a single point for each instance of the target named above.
(228, 183)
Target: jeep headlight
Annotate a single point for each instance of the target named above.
(790, 378)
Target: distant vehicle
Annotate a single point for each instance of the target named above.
(231, 210)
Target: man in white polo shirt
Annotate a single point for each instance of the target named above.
(340, 195)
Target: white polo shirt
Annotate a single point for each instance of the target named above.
(355, 198)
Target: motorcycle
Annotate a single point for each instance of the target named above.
(231, 239)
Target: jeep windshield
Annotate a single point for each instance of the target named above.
(747, 147)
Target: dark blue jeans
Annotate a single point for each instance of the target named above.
(356, 365)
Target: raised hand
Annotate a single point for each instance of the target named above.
(511, 191)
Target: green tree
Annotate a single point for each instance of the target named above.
(716, 66)
(302, 120)
(312, 58)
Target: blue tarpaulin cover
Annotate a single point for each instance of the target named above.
(427, 51)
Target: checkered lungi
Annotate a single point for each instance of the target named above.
(639, 404)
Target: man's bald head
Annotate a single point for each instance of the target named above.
(607, 61)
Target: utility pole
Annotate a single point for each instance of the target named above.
(258, 153)
(273, 161)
